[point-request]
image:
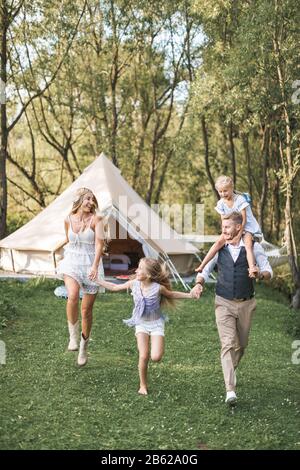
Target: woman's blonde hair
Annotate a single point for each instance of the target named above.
(223, 181)
(78, 200)
(159, 272)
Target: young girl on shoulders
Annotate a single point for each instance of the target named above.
(151, 290)
(231, 202)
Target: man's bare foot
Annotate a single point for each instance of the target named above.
(143, 391)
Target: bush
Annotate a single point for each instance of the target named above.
(282, 281)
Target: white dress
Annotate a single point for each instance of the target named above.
(79, 255)
(239, 204)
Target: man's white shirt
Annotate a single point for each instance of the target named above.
(259, 253)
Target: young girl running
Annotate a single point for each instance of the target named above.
(151, 289)
(232, 202)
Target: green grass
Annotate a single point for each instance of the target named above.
(47, 402)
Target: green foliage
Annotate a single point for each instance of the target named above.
(15, 221)
(135, 79)
(244, 89)
(113, 93)
(282, 281)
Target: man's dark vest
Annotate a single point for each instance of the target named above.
(233, 277)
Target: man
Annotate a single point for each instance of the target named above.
(235, 302)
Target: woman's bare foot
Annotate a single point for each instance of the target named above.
(143, 391)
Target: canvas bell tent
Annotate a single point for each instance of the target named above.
(136, 229)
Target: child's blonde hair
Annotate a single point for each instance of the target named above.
(223, 181)
(159, 272)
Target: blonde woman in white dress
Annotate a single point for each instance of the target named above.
(81, 266)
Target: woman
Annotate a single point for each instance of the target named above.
(82, 265)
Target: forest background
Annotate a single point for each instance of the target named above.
(174, 92)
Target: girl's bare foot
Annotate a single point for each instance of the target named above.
(143, 391)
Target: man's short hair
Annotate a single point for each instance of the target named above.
(235, 216)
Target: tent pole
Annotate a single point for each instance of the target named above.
(200, 259)
(170, 267)
(175, 272)
(54, 260)
(165, 257)
(12, 260)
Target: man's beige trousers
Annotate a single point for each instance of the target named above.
(233, 320)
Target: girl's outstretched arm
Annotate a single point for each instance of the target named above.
(173, 294)
(114, 287)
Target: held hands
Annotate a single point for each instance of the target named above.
(254, 272)
(196, 291)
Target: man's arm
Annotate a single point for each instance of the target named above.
(201, 278)
(265, 271)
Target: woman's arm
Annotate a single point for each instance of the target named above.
(99, 243)
(67, 230)
(114, 287)
(172, 294)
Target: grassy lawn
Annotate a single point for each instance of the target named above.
(47, 402)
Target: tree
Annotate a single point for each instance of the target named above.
(29, 83)
(245, 80)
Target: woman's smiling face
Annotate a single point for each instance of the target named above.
(88, 202)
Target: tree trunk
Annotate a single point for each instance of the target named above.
(245, 141)
(153, 163)
(264, 189)
(138, 161)
(4, 130)
(113, 84)
(277, 189)
(206, 156)
(168, 157)
(292, 256)
(287, 163)
(232, 152)
(162, 176)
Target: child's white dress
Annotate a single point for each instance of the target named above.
(239, 204)
(79, 255)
